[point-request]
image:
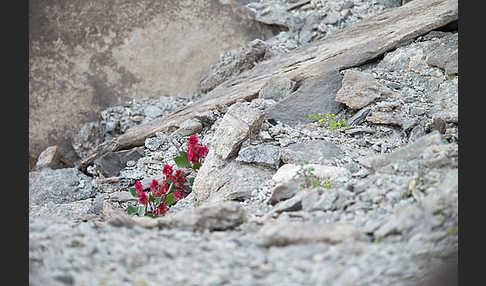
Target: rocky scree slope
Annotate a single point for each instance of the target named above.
(390, 216)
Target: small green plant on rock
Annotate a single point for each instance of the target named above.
(329, 120)
(309, 179)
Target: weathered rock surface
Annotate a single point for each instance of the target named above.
(315, 152)
(214, 217)
(235, 128)
(283, 191)
(59, 186)
(288, 171)
(266, 155)
(408, 152)
(110, 164)
(277, 88)
(444, 54)
(360, 89)
(85, 57)
(49, 158)
(282, 233)
(218, 180)
(311, 66)
(239, 61)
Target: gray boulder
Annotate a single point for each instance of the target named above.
(59, 186)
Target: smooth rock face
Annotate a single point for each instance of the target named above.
(284, 233)
(265, 155)
(49, 158)
(59, 186)
(360, 89)
(111, 163)
(189, 127)
(86, 56)
(315, 151)
(387, 118)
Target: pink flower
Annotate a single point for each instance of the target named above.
(167, 170)
(142, 198)
(162, 209)
(154, 185)
(138, 187)
(178, 194)
(193, 140)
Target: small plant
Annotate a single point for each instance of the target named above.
(330, 120)
(166, 193)
(310, 180)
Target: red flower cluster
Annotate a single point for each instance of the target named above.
(194, 151)
(155, 201)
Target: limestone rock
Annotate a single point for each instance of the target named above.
(265, 155)
(235, 128)
(360, 89)
(111, 163)
(387, 118)
(49, 158)
(315, 151)
(444, 54)
(411, 151)
(215, 216)
(240, 60)
(283, 233)
(59, 186)
(287, 172)
(283, 191)
(277, 88)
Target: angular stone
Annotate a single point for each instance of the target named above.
(189, 127)
(265, 155)
(59, 186)
(287, 172)
(387, 118)
(277, 88)
(409, 152)
(282, 233)
(218, 179)
(283, 191)
(241, 60)
(359, 117)
(235, 128)
(49, 158)
(444, 54)
(87, 138)
(360, 89)
(320, 200)
(215, 216)
(315, 151)
(111, 163)
(314, 95)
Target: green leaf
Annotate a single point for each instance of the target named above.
(131, 210)
(191, 180)
(170, 200)
(142, 210)
(196, 166)
(133, 192)
(151, 197)
(182, 161)
(158, 200)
